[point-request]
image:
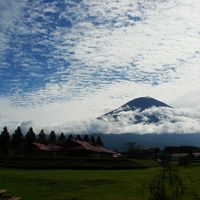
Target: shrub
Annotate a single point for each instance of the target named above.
(165, 185)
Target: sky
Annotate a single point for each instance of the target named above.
(66, 62)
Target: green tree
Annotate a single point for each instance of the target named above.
(17, 141)
(99, 141)
(5, 141)
(165, 185)
(92, 140)
(132, 148)
(78, 137)
(30, 137)
(70, 137)
(86, 138)
(61, 138)
(42, 138)
(52, 138)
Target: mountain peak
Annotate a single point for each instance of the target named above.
(143, 103)
(140, 104)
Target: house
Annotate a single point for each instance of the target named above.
(82, 148)
(181, 149)
(147, 154)
(181, 152)
(71, 148)
(43, 149)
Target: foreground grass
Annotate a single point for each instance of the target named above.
(89, 184)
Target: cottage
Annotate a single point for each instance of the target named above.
(45, 149)
(82, 148)
(178, 153)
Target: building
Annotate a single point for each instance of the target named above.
(71, 148)
(46, 149)
(82, 148)
(178, 153)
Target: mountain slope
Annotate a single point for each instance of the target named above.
(139, 110)
(144, 103)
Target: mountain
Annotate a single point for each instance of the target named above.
(163, 125)
(139, 110)
(117, 141)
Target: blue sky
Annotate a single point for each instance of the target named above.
(76, 59)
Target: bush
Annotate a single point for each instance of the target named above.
(165, 185)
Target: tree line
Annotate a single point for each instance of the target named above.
(17, 141)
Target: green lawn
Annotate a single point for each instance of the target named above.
(89, 184)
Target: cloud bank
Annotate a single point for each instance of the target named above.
(65, 62)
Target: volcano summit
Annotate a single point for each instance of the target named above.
(139, 110)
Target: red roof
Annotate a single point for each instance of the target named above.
(77, 145)
(44, 147)
(82, 145)
(104, 150)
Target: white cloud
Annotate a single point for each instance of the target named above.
(78, 115)
(118, 50)
(10, 14)
(162, 47)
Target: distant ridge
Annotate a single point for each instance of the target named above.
(118, 141)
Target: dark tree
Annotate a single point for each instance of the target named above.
(61, 138)
(78, 137)
(165, 185)
(30, 137)
(42, 137)
(92, 140)
(52, 138)
(86, 138)
(99, 141)
(131, 148)
(17, 141)
(70, 137)
(5, 141)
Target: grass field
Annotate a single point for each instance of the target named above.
(90, 184)
(62, 162)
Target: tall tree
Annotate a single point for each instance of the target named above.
(5, 141)
(86, 138)
(99, 141)
(61, 138)
(42, 137)
(52, 138)
(17, 141)
(131, 148)
(78, 137)
(92, 140)
(70, 137)
(30, 137)
(166, 184)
